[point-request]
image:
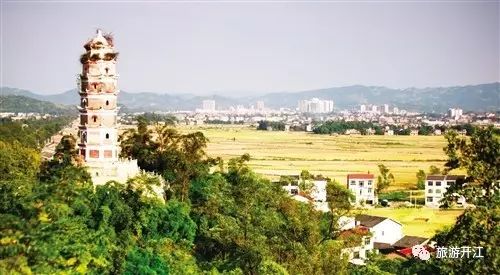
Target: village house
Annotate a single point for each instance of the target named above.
(358, 243)
(385, 231)
(437, 185)
(363, 188)
(384, 235)
(316, 196)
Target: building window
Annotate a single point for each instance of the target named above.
(367, 240)
(429, 183)
(356, 255)
(369, 182)
(107, 136)
(94, 153)
(449, 183)
(361, 183)
(107, 70)
(438, 183)
(438, 191)
(94, 118)
(107, 102)
(382, 233)
(353, 182)
(108, 153)
(369, 190)
(429, 191)
(429, 199)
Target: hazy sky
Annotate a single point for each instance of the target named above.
(257, 47)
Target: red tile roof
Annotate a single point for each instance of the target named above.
(360, 176)
(358, 230)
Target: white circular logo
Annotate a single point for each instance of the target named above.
(420, 252)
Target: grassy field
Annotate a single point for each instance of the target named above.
(418, 221)
(287, 153)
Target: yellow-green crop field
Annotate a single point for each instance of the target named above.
(422, 222)
(287, 153)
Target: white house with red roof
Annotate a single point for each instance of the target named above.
(363, 187)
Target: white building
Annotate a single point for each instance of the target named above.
(362, 108)
(317, 197)
(208, 105)
(374, 108)
(260, 105)
(455, 113)
(315, 105)
(437, 185)
(385, 231)
(386, 108)
(357, 253)
(363, 188)
(318, 192)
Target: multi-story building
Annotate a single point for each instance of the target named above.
(437, 185)
(363, 188)
(315, 105)
(208, 105)
(260, 105)
(455, 113)
(362, 108)
(386, 108)
(98, 133)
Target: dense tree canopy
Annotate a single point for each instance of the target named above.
(216, 219)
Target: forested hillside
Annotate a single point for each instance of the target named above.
(23, 104)
(228, 221)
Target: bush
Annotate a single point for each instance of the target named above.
(394, 196)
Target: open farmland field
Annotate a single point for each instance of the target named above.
(418, 221)
(287, 153)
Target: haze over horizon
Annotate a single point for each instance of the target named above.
(243, 47)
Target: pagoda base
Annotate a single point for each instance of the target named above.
(120, 171)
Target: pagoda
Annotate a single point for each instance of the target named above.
(98, 129)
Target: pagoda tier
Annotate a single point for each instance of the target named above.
(97, 86)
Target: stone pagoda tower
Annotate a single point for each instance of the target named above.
(98, 133)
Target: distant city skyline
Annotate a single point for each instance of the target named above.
(262, 47)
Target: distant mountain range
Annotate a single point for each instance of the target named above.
(23, 104)
(483, 97)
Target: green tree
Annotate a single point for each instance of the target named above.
(421, 176)
(384, 179)
(481, 159)
(434, 170)
(478, 226)
(340, 202)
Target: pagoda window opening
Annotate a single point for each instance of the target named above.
(107, 136)
(107, 102)
(107, 70)
(94, 118)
